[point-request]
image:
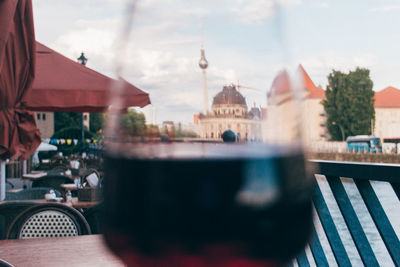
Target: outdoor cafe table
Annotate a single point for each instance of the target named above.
(88, 250)
(32, 176)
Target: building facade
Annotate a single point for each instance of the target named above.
(387, 113)
(229, 111)
(283, 115)
(277, 126)
(45, 124)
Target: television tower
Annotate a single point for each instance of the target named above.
(203, 63)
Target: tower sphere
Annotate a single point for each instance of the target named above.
(203, 63)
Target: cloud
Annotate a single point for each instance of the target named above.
(258, 11)
(163, 53)
(319, 66)
(324, 5)
(384, 9)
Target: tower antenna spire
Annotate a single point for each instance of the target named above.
(203, 64)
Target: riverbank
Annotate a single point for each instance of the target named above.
(367, 157)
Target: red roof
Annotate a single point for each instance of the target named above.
(282, 84)
(387, 98)
(308, 84)
(318, 93)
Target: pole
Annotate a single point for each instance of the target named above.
(342, 130)
(2, 179)
(83, 133)
(82, 59)
(205, 95)
(372, 127)
(24, 167)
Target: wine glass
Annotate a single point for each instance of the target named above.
(237, 191)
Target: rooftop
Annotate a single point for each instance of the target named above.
(387, 98)
(282, 84)
(229, 95)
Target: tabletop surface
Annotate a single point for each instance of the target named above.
(73, 203)
(33, 175)
(70, 187)
(89, 250)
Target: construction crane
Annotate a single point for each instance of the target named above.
(239, 86)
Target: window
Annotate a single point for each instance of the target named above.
(38, 116)
(44, 116)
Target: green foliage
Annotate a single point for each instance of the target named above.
(133, 123)
(187, 133)
(72, 133)
(66, 120)
(152, 131)
(349, 103)
(180, 133)
(96, 122)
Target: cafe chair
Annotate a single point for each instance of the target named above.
(53, 181)
(3, 263)
(49, 220)
(9, 185)
(8, 211)
(94, 216)
(31, 193)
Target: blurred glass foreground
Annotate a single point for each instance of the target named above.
(175, 201)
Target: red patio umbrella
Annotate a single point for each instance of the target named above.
(19, 136)
(63, 85)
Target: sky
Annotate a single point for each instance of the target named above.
(248, 41)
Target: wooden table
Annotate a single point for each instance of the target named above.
(69, 187)
(33, 175)
(74, 203)
(88, 250)
(82, 204)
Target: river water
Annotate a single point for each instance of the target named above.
(390, 204)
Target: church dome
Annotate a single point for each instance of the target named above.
(229, 96)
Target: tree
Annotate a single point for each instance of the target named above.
(67, 120)
(133, 123)
(152, 131)
(96, 122)
(181, 133)
(349, 103)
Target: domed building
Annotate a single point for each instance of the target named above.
(229, 111)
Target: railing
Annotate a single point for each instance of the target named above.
(361, 174)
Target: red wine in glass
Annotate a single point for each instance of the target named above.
(213, 204)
